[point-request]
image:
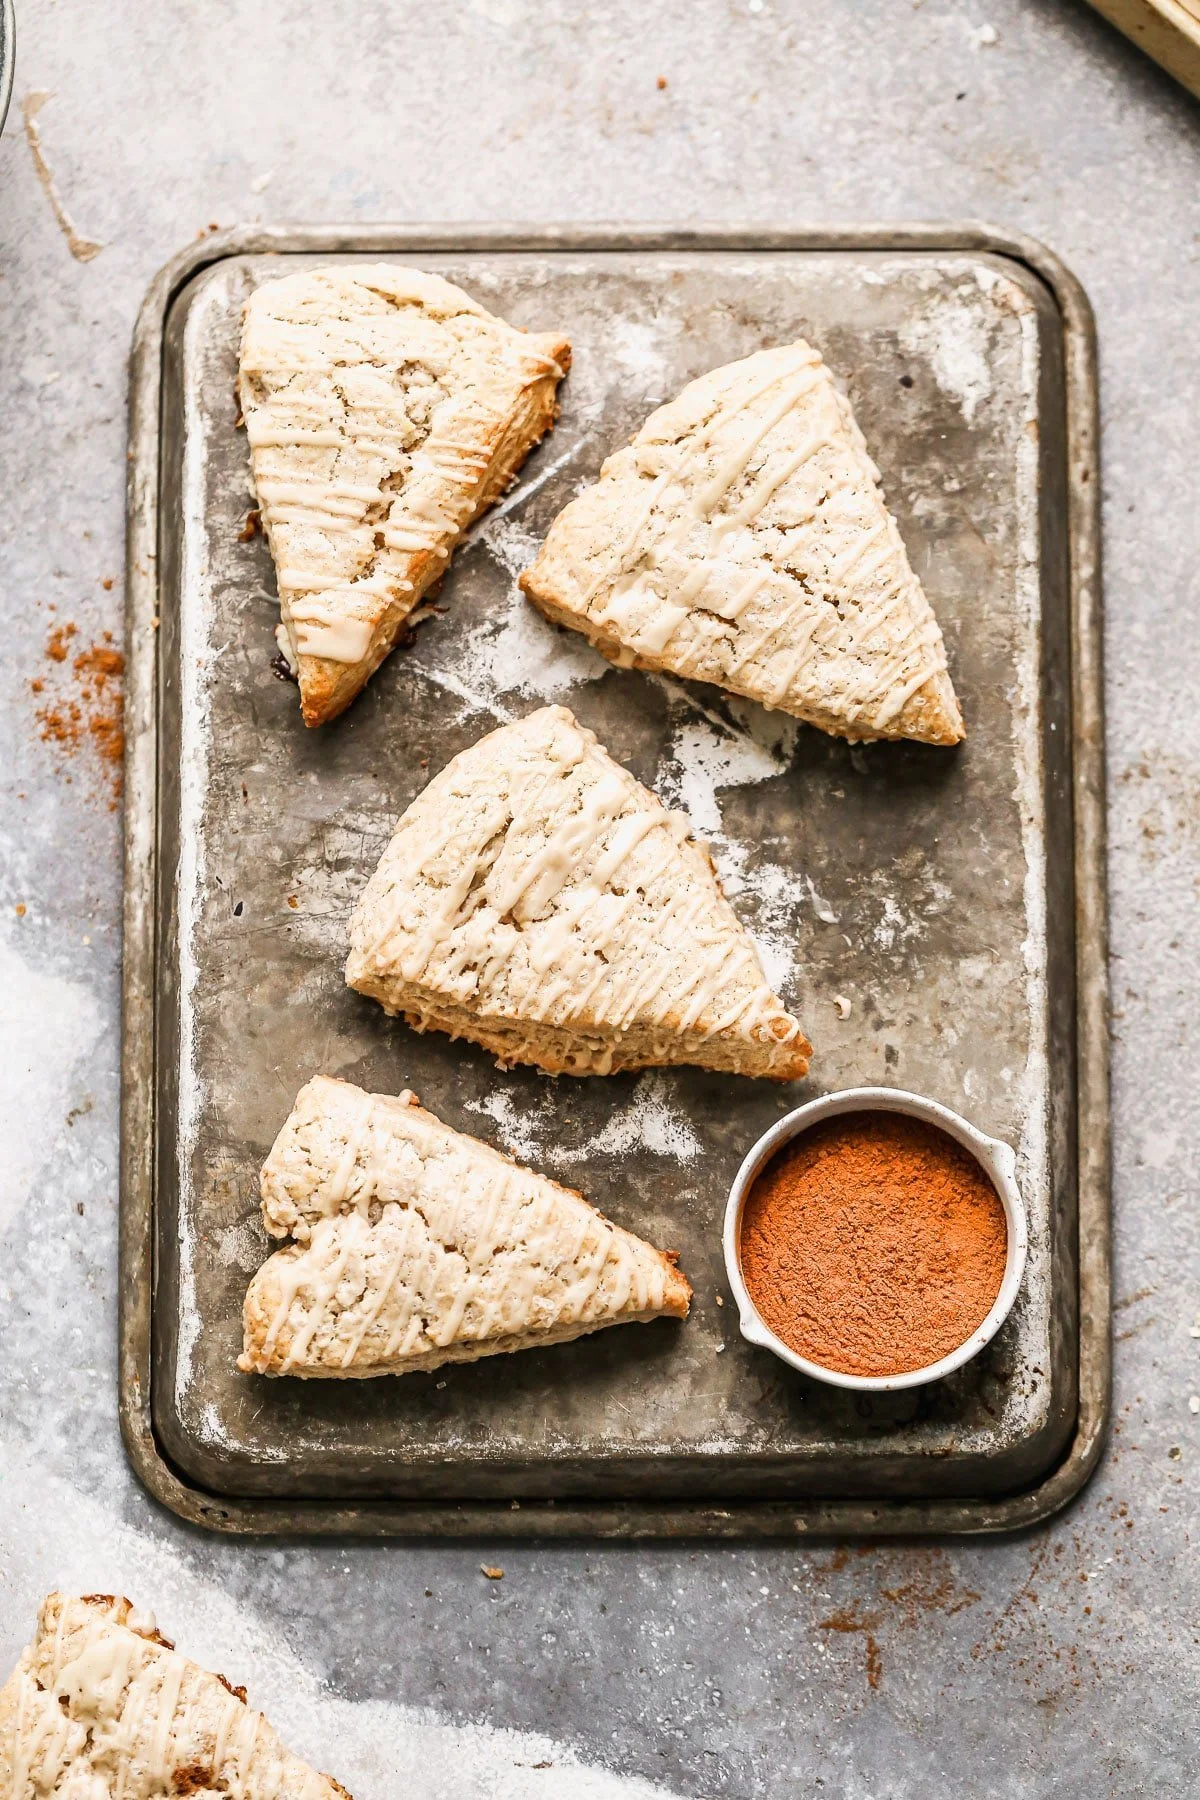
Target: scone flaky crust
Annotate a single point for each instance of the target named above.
(101, 1705)
(386, 410)
(742, 539)
(416, 1245)
(538, 899)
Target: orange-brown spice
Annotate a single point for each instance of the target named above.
(58, 647)
(91, 712)
(873, 1245)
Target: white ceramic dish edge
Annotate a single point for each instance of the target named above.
(994, 1157)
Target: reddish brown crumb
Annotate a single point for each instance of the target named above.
(874, 1663)
(58, 648)
(662, 82)
(90, 712)
(193, 1778)
(250, 528)
(106, 584)
(100, 662)
(847, 1620)
(293, 902)
(20, 909)
(61, 725)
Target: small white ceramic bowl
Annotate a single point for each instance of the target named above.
(995, 1158)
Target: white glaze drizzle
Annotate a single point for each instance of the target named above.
(466, 1247)
(538, 908)
(699, 585)
(372, 428)
(320, 630)
(102, 1706)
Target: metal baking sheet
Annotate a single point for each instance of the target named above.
(953, 898)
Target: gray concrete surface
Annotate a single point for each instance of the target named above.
(1064, 1663)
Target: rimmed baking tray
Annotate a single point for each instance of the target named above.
(956, 900)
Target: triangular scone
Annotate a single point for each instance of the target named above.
(100, 1707)
(537, 899)
(742, 539)
(417, 1246)
(385, 410)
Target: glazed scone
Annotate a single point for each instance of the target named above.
(416, 1245)
(101, 1707)
(742, 539)
(385, 410)
(537, 899)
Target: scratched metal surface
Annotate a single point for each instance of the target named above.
(930, 888)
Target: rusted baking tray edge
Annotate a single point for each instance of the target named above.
(617, 1520)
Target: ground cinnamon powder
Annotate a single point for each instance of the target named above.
(874, 1244)
(89, 710)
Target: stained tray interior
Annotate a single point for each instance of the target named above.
(929, 888)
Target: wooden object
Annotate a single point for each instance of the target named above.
(1167, 30)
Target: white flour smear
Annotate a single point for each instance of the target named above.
(702, 760)
(649, 1122)
(515, 652)
(767, 899)
(640, 349)
(241, 1246)
(894, 930)
(59, 1537)
(708, 755)
(512, 544)
(520, 1131)
(952, 337)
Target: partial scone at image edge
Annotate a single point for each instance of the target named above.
(101, 1705)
